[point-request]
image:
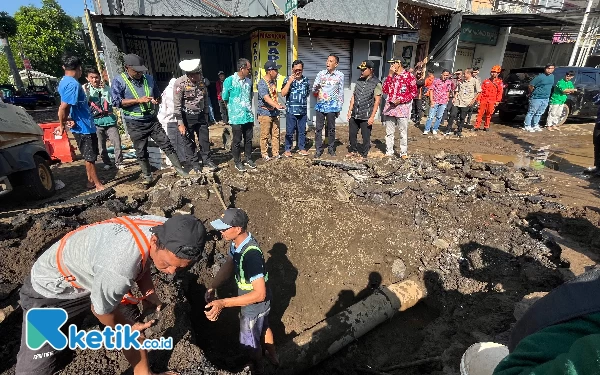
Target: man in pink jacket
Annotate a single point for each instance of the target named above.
(400, 86)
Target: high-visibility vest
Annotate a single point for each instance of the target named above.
(147, 107)
(142, 242)
(240, 278)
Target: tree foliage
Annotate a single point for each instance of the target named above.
(8, 25)
(43, 35)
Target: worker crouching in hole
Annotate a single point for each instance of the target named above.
(247, 264)
(95, 267)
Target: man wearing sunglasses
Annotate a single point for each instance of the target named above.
(95, 267)
(247, 264)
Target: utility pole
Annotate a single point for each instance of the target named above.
(580, 34)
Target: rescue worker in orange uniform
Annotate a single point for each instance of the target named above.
(491, 95)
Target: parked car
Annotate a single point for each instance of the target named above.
(580, 104)
(12, 96)
(42, 95)
(24, 159)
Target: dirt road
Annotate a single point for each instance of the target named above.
(484, 220)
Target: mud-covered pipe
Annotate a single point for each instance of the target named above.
(329, 336)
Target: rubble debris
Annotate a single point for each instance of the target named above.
(343, 165)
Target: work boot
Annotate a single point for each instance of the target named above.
(177, 165)
(146, 172)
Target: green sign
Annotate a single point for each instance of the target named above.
(479, 33)
(290, 6)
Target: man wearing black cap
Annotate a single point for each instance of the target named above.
(268, 111)
(137, 94)
(247, 265)
(363, 109)
(95, 267)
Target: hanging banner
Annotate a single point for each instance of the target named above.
(272, 47)
(255, 59)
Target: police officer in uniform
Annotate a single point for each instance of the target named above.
(190, 100)
(137, 95)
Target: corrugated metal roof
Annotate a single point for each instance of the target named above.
(197, 8)
(361, 12)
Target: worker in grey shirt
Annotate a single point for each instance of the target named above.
(96, 266)
(190, 99)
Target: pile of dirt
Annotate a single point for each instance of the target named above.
(332, 232)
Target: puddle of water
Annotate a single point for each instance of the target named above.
(569, 160)
(516, 160)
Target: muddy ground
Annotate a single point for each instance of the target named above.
(483, 221)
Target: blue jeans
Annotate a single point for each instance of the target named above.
(437, 112)
(295, 123)
(537, 107)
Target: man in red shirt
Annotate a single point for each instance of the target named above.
(491, 95)
(222, 104)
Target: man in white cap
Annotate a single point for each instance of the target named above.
(190, 100)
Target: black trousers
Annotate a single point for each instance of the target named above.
(46, 360)
(417, 110)
(321, 117)
(177, 140)
(448, 112)
(223, 110)
(245, 131)
(365, 130)
(459, 114)
(197, 126)
(597, 143)
(472, 109)
(141, 131)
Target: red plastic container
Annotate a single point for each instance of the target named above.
(58, 147)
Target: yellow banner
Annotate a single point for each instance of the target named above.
(272, 46)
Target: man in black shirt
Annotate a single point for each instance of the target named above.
(247, 265)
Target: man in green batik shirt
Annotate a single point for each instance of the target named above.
(98, 94)
(562, 89)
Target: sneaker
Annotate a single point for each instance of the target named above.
(425, 132)
(240, 167)
(404, 156)
(266, 157)
(303, 152)
(537, 129)
(287, 154)
(459, 134)
(591, 170)
(434, 132)
(449, 132)
(210, 166)
(528, 129)
(250, 164)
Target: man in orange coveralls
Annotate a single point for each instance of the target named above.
(491, 95)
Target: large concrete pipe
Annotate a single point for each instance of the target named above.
(329, 336)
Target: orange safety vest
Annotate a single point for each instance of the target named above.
(141, 241)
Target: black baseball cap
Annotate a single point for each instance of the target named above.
(183, 235)
(367, 64)
(232, 217)
(134, 62)
(271, 65)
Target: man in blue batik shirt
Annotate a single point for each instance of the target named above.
(329, 90)
(296, 90)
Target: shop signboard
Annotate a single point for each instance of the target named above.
(479, 33)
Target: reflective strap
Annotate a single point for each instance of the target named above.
(133, 226)
(135, 95)
(241, 282)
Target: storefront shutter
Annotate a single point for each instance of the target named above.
(314, 56)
